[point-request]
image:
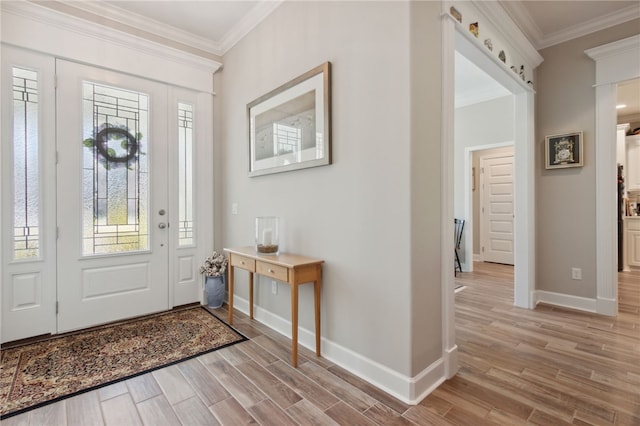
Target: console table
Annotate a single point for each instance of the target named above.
(289, 268)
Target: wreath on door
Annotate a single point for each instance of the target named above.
(115, 146)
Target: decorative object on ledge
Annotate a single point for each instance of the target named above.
(502, 56)
(563, 151)
(489, 44)
(454, 12)
(267, 235)
(290, 127)
(213, 269)
(522, 73)
(474, 29)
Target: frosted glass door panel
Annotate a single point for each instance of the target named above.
(115, 181)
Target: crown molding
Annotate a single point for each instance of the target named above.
(507, 28)
(145, 24)
(248, 23)
(217, 47)
(622, 47)
(34, 12)
(527, 25)
(597, 24)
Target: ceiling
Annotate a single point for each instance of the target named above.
(214, 26)
(221, 23)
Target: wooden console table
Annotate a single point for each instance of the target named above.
(289, 268)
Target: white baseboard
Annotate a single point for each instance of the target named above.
(607, 307)
(410, 390)
(565, 300)
(477, 257)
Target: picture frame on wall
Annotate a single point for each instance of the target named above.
(290, 127)
(564, 150)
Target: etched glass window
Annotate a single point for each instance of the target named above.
(26, 176)
(185, 174)
(115, 181)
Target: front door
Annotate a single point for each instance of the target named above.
(496, 192)
(112, 202)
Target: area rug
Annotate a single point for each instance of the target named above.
(40, 373)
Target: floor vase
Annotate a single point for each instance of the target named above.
(215, 289)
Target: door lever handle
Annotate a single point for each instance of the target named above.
(162, 225)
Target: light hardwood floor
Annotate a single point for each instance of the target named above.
(546, 366)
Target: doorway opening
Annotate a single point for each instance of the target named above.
(520, 95)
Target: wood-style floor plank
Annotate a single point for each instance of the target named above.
(173, 384)
(192, 411)
(119, 410)
(230, 412)
(546, 366)
(84, 410)
(157, 411)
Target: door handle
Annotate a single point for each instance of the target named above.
(162, 225)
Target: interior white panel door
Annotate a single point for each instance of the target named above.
(113, 216)
(496, 227)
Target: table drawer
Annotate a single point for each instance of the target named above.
(277, 272)
(243, 262)
(633, 224)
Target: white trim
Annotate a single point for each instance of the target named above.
(591, 26)
(146, 24)
(446, 198)
(410, 390)
(248, 23)
(473, 50)
(500, 21)
(565, 300)
(541, 41)
(526, 23)
(216, 47)
(615, 62)
(35, 27)
(524, 200)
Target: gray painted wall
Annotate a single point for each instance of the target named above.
(565, 198)
(370, 214)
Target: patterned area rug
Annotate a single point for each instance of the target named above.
(40, 373)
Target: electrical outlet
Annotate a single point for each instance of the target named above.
(234, 208)
(274, 287)
(576, 273)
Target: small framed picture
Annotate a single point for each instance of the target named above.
(563, 151)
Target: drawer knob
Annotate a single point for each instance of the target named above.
(242, 262)
(270, 270)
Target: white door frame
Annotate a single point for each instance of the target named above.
(615, 62)
(454, 38)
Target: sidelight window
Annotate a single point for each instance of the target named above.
(185, 174)
(26, 173)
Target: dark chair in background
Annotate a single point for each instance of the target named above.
(459, 227)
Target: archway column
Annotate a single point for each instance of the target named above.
(615, 62)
